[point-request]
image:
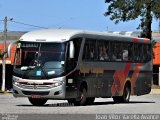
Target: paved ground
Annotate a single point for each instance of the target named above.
(138, 104)
(155, 91)
(147, 104)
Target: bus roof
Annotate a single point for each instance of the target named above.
(62, 35)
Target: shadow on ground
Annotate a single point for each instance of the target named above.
(65, 104)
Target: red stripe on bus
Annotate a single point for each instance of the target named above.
(146, 41)
(119, 79)
(113, 89)
(135, 39)
(135, 76)
(127, 68)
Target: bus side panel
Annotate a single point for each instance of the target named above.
(99, 80)
(105, 82)
(72, 82)
(91, 81)
(143, 83)
(139, 75)
(144, 78)
(78, 78)
(98, 85)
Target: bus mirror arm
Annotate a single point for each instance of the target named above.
(71, 49)
(10, 47)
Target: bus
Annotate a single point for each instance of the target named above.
(79, 66)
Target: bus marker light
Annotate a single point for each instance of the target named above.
(135, 40)
(146, 40)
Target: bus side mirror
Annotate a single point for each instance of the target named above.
(71, 49)
(10, 47)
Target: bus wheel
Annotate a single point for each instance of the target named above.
(125, 97)
(117, 99)
(71, 101)
(82, 97)
(37, 102)
(90, 100)
(126, 93)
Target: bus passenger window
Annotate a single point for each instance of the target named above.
(77, 45)
(137, 53)
(125, 55)
(112, 55)
(146, 53)
(103, 50)
(130, 51)
(89, 52)
(127, 52)
(116, 52)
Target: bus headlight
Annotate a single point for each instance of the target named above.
(15, 79)
(58, 83)
(15, 83)
(54, 84)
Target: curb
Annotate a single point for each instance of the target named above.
(5, 92)
(155, 91)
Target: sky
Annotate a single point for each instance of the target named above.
(72, 14)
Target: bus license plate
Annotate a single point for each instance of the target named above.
(36, 96)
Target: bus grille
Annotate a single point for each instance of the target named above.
(35, 93)
(35, 87)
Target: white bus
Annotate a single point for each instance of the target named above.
(79, 66)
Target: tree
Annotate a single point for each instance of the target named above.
(126, 10)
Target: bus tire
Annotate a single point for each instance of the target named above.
(125, 97)
(37, 102)
(90, 100)
(126, 93)
(117, 99)
(82, 98)
(71, 101)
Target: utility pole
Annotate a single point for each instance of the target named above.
(4, 56)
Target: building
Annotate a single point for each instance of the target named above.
(156, 60)
(11, 36)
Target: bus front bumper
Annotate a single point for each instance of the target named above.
(53, 93)
(48, 89)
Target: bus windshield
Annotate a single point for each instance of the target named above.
(39, 60)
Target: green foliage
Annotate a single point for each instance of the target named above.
(126, 10)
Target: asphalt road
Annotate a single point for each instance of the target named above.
(147, 104)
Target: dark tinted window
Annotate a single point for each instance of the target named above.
(90, 52)
(103, 50)
(127, 51)
(138, 52)
(116, 51)
(77, 44)
(146, 52)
